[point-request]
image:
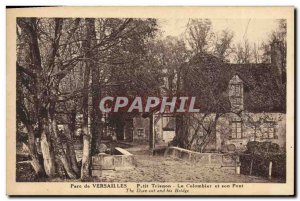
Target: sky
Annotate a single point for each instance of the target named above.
(257, 31)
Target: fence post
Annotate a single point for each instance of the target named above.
(270, 169)
(209, 158)
(251, 165)
(237, 165)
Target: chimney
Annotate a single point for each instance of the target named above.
(277, 60)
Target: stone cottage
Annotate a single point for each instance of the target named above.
(240, 124)
(238, 103)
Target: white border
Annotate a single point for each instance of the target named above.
(4, 3)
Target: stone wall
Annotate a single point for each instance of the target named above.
(253, 129)
(214, 159)
(124, 160)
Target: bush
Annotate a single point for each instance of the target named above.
(261, 153)
(262, 147)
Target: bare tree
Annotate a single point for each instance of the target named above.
(51, 55)
(86, 150)
(276, 36)
(256, 53)
(266, 52)
(243, 53)
(45, 77)
(223, 45)
(199, 35)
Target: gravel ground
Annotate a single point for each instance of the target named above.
(158, 169)
(166, 169)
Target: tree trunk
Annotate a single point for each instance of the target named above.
(85, 172)
(36, 164)
(59, 148)
(95, 88)
(71, 151)
(47, 152)
(211, 135)
(86, 150)
(180, 134)
(151, 134)
(30, 27)
(251, 166)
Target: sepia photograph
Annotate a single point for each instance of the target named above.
(169, 104)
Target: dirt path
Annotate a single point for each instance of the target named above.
(166, 169)
(160, 169)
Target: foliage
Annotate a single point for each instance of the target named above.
(260, 154)
(53, 56)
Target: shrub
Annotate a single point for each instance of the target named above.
(261, 153)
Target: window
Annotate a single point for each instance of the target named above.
(237, 89)
(140, 132)
(236, 100)
(236, 130)
(236, 94)
(269, 130)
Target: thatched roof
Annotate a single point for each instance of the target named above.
(208, 78)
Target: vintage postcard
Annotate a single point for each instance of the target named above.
(135, 101)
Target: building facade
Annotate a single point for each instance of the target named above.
(238, 126)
